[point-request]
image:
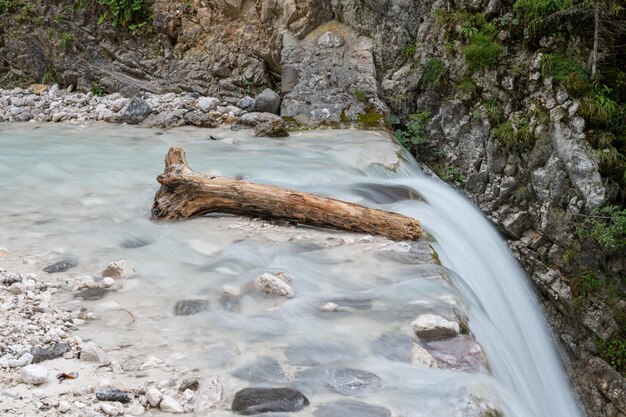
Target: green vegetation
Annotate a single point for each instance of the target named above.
(515, 134)
(97, 91)
(606, 226)
(482, 52)
(409, 50)
(452, 175)
(132, 14)
(370, 118)
(614, 352)
(415, 130)
(25, 13)
(536, 10)
(467, 86)
(65, 40)
(492, 107)
(359, 95)
(434, 73)
(566, 71)
(7, 6)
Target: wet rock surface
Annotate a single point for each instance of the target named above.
(190, 307)
(353, 381)
(351, 408)
(263, 370)
(262, 400)
(93, 293)
(430, 326)
(61, 266)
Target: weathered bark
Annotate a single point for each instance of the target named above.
(185, 194)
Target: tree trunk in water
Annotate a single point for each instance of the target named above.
(185, 194)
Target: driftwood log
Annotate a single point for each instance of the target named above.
(185, 194)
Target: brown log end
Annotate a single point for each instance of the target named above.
(176, 161)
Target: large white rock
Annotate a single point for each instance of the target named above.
(90, 352)
(170, 405)
(112, 408)
(118, 269)
(154, 396)
(207, 104)
(208, 395)
(431, 326)
(34, 374)
(64, 407)
(270, 284)
(421, 357)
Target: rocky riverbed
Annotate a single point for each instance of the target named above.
(50, 370)
(42, 103)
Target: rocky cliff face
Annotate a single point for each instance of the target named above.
(338, 61)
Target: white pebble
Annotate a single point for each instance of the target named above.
(170, 405)
(34, 374)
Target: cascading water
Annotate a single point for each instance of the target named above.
(86, 192)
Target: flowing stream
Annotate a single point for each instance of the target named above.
(86, 193)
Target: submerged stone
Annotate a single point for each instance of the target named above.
(61, 266)
(94, 293)
(395, 347)
(351, 408)
(190, 307)
(262, 400)
(431, 326)
(263, 370)
(134, 243)
(314, 353)
(348, 381)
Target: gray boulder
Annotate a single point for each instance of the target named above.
(262, 400)
(165, 119)
(137, 111)
(247, 103)
(273, 129)
(200, 119)
(268, 101)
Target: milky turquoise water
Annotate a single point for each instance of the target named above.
(86, 193)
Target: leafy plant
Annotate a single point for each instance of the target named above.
(492, 107)
(515, 134)
(566, 71)
(65, 40)
(8, 5)
(614, 352)
(409, 50)
(452, 175)
(467, 86)
(468, 31)
(124, 12)
(98, 91)
(434, 73)
(534, 10)
(482, 52)
(607, 226)
(582, 286)
(415, 132)
(26, 12)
